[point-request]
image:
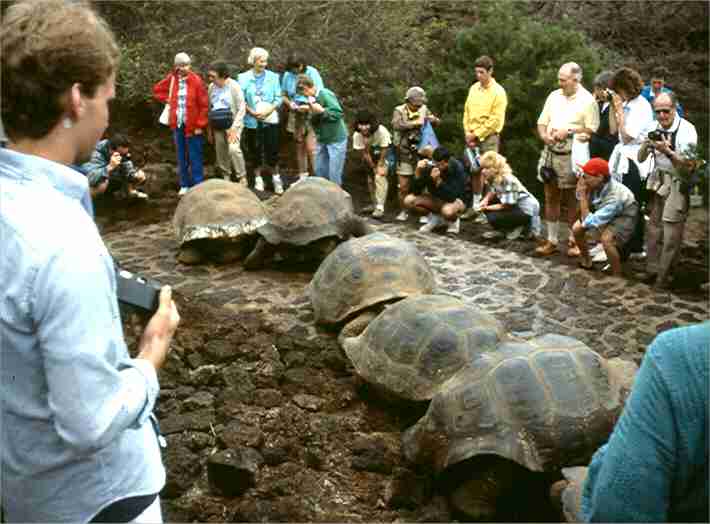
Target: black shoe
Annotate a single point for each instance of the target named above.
(649, 278)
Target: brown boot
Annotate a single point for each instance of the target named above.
(547, 249)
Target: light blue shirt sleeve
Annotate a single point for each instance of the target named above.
(314, 75)
(602, 216)
(95, 391)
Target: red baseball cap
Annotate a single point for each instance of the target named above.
(595, 167)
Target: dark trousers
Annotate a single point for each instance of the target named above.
(632, 180)
(262, 145)
(507, 219)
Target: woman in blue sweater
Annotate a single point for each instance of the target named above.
(655, 466)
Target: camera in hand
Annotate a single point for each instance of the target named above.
(135, 290)
(656, 135)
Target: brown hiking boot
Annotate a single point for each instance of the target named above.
(547, 249)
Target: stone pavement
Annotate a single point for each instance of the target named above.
(530, 296)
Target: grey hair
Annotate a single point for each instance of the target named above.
(182, 58)
(671, 96)
(257, 52)
(603, 78)
(574, 69)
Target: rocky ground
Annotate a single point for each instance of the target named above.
(264, 418)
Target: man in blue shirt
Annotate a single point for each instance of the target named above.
(657, 86)
(78, 439)
(445, 180)
(606, 205)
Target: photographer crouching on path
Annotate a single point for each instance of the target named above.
(111, 170)
(445, 180)
(671, 145)
(79, 441)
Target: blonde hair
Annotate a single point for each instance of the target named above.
(499, 165)
(257, 52)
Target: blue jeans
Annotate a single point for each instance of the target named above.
(330, 161)
(189, 152)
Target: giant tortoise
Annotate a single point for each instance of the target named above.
(218, 220)
(418, 343)
(362, 275)
(309, 220)
(526, 407)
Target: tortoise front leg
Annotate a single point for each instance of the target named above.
(262, 252)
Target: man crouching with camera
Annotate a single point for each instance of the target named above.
(670, 144)
(111, 170)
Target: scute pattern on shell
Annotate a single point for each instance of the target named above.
(415, 345)
(310, 210)
(366, 271)
(217, 209)
(546, 403)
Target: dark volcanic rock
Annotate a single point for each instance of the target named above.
(233, 471)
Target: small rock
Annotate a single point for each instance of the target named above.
(201, 399)
(309, 402)
(195, 421)
(236, 435)
(233, 471)
(267, 398)
(204, 375)
(220, 350)
(407, 490)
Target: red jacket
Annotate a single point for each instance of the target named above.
(195, 106)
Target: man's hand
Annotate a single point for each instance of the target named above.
(560, 135)
(422, 163)
(435, 120)
(663, 146)
(210, 137)
(154, 345)
(114, 162)
(582, 186)
(435, 175)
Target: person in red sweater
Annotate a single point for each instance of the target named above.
(187, 95)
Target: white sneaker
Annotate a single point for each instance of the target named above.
(637, 256)
(515, 233)
(403, 216)
(182, 191)
(138, 194)
(454, 226)
(600, 256)
(278, 186)
(481, 219)
(598, 248)
(434, 222)
(258, 183)
(424, 219)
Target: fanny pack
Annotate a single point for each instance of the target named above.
(547, 172)
(220, 118)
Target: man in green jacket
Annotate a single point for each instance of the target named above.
(331, 132)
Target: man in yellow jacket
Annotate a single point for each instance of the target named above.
(483, 120)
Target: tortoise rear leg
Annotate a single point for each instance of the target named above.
(262, 252)
(190, 255)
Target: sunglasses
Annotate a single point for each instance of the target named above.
(662, 111)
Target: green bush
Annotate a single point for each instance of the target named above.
(527, 55)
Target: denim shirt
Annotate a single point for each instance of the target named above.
(609, 201)
(270, 92)
(75, 433)
(289, 82)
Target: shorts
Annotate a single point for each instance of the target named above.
(623, 228)
(562, 164)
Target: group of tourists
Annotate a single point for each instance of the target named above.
(79, 441)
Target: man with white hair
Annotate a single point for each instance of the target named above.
(187, 95)
(408, 120)
(570, 114)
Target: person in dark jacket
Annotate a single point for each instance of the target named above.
(602, 141)
(445, 180)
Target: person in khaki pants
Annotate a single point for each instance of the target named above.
(374, 141)
(224, 92)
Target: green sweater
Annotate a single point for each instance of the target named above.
(329, 125)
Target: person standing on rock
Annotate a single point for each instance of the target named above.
(186, 94)
(262, 91)
(483, 120)
(329, 124)
(78, 438)
(226, 117)
(570, 114)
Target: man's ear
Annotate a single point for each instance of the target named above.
(75, 102)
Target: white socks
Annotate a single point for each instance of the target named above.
(477, 197)
(553, 231)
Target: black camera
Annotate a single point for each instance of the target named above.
(656, 135)
(137, 291)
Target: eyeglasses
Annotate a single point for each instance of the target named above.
(662, 111)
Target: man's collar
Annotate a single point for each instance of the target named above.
(674, 125)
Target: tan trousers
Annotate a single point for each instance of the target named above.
(378, 186)
(661, 261)
(228, 155)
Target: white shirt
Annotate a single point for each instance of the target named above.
(381, 138)
(686, 137)
(638, 121)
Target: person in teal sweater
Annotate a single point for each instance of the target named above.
(654, 468)
(331, 132)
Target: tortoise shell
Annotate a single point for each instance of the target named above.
(418, 343)
(217, 209)
(546, 403)
(310, 210)
(366, 271)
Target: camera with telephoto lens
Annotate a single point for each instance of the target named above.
(656, 135)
